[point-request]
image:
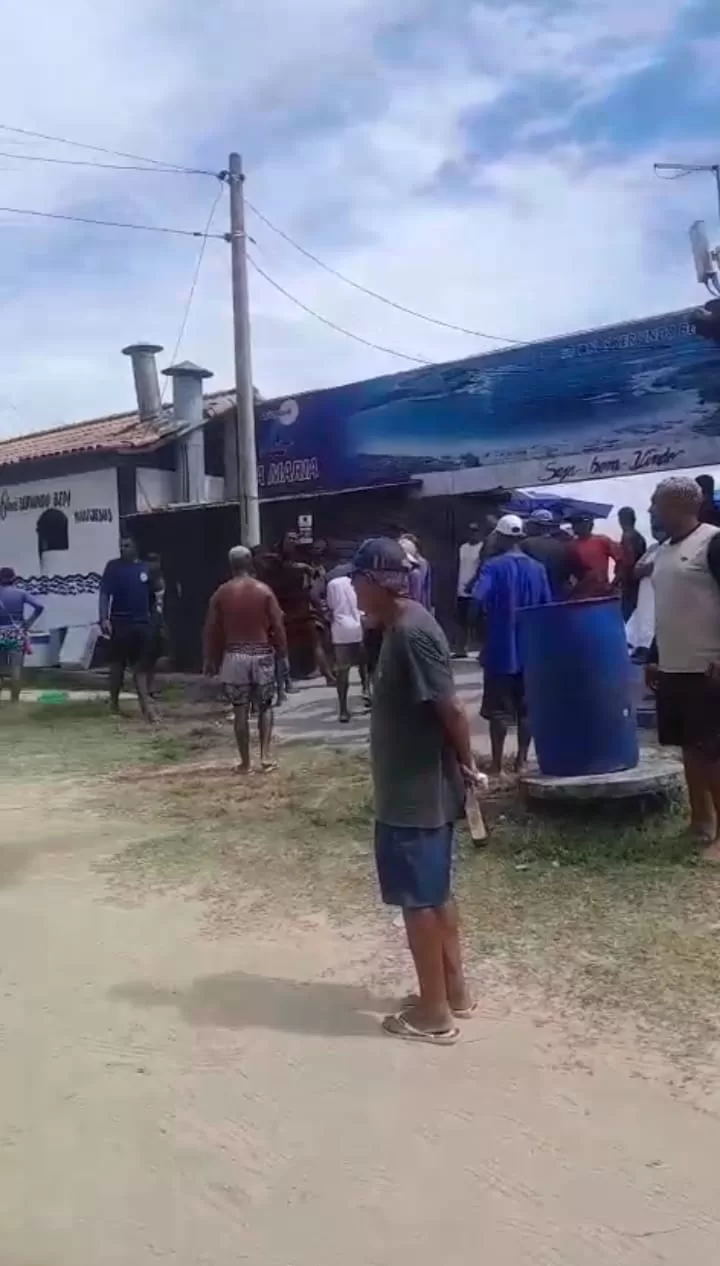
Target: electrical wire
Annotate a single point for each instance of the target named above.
(102, 149)
(88, 162)
(400, 307)
(111, 224)
(193, 286)
(378, 347)
(674, 175)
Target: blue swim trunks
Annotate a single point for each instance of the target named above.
(414, 865)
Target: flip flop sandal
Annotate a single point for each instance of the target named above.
(399, 1026)
(461, 1013)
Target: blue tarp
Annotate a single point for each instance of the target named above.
(564, 507)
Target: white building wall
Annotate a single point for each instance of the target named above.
(66, 581)
(214, 488)
(154, 488)
(158, 488)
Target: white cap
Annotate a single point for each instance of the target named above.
(510, 525)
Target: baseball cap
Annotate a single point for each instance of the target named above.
(541, 516)
(381, 553)
(510, 525)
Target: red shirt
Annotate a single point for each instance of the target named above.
(595, 553)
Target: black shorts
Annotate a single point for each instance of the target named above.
(348, 654)
(463, 608)
(156, 646)
(504, 698)
(372, 641)
(129, 645)
(688, 712)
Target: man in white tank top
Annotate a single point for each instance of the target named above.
(686, 674)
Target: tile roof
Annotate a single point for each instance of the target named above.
(117, 433)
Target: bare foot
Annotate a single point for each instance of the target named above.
(712, 853)
(267, 765)
(243, 769)
(462, 1007)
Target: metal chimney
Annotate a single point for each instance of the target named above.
(188, 412)
(147, 386)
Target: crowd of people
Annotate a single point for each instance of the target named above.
(374, 614)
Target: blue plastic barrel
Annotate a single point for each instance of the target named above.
(579, 687)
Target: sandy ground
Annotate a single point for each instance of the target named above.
(172, 1094)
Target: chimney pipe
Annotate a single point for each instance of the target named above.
(147, 386)
(188, 411)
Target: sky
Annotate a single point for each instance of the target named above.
(487, 161)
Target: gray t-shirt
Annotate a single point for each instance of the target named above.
(416, 777)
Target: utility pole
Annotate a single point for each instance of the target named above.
(688, 169)
(244, 402)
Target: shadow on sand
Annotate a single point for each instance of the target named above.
(238, 1000)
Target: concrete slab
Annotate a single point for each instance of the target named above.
(655, 774)
(310, 713)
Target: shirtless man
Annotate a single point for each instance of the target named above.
(244, 631)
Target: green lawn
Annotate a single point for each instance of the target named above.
(610, 916)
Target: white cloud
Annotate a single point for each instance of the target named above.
(344, 147)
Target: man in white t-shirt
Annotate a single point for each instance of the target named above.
(468, 562)
(684, 667)
(346, 632)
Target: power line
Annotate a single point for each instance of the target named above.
(193, 285)
(417, 360)
(102, 149)
(88, 162)
(421, 316)
(112, 224)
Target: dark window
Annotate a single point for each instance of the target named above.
(52, 530)
(214, 445)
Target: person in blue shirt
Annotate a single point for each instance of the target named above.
(126, 605)
(507, 582)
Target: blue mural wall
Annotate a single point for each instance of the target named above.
(636, 397)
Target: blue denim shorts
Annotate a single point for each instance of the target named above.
(414, 865)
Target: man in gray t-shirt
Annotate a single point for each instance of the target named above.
(421, 760)
(416, 777)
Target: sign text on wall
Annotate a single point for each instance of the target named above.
(57, 500)
(97, 514)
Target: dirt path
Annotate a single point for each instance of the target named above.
(170, 1095)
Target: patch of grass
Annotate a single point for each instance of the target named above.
(607, 914)
(593, 836)
(62, 713)
(301, 834)
(80, 738)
